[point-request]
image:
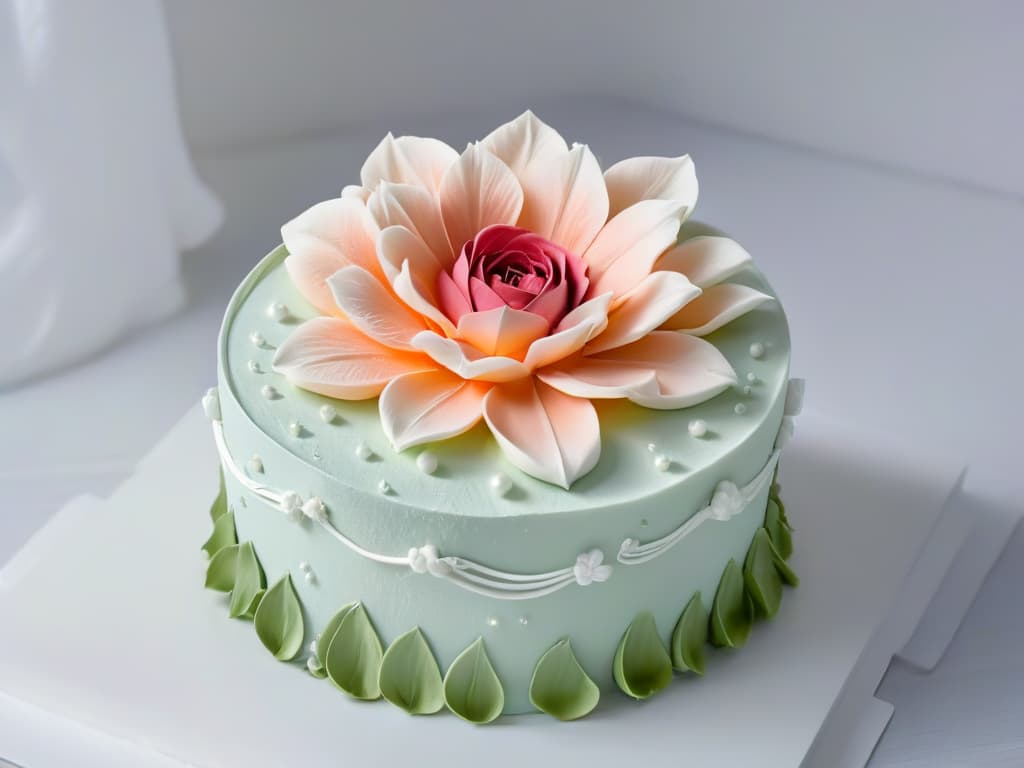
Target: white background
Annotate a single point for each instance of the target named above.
(877, 175)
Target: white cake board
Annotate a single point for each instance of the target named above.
(111, 652)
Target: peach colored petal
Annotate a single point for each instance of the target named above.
(357, 191)
(371, 308)
(664, 370)
(706, 260)
(408, 160)
(547, 434)
(524, 143)
(412, 268)
(467, 361)
(502, 331)
(330, 356)
(624, 251)
(576, 329)
(417, 210)
(432, 405)
(720, 304)
(639, 311)
(320, 241)
(651, 178)
(478, 190)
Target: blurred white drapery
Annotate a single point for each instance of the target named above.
(97, 192)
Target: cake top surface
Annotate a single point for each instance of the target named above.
(643, 451)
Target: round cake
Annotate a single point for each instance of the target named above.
(499, 431)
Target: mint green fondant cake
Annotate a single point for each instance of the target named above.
(500, 432)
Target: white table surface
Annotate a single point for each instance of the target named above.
(904, 303)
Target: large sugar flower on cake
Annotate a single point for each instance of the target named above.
(514, 283)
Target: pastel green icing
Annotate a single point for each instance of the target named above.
(778, 529)
(220, 573)
(732, 612)
(223, 535)
(249, 583)
(278, 620)
(559, 685)
(220, 503)
(409, 676)
(689, 636)
(762, 579)
(642, 666)
(354, 655)
(472, 689)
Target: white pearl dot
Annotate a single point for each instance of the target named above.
(384, 487)
(427, 463)
(523, 620)
(757, 350)
(278, 311)
(748, 390)
(501, 483)
(257, 339)
(304, 566)
(740, 409)
(254, 367)
(492, 622)
(697, 428)
(364, 452)
(662, 463)
(652, 448)
(256, 465)
(328, 413)
(310, 577)
(295, 428)
(313, 646)
(268, 392)
(752, 377)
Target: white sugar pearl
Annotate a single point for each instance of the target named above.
(310, 577)
(256, 465)
(295, 428)
(740, 409)
(328, 413)
(492, 622)
(278, 311)
(501, 483)
(752, 377)
(254, 367)
(662, 463)
(652, 448)
(748, 390)
(523, 620)
(427, 463)
(384, 487)
(757, 350)
(268, 392)
(303, 566)
(364, 452)
(257, 339)
(697, 428)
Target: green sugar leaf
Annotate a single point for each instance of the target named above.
(223, 535)
(220, 573)
(689, 636)
(354, 655)
(559, 685)
(278, 620)
(778, 529)
(472, 689)
(642, 666)
(409, 676)
(732, 612)
(249, 583)
(786, 572)
(220, 503)
(761, 577)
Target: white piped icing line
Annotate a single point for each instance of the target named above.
(588, 567)
(727, 501)
(794, 404)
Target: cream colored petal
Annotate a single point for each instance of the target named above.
(477, 191)
(576, 329)
(320, 241)
(706, 260)
(371, 308)
(658, 297)
(468, 362)
(651, 178)
(408, 160)
(524, 143)
(719, 304)
(502, 331)
(417, 210)
(432, 405)
(664, 370)
(625, 250)
(547, 434)
(332, 357)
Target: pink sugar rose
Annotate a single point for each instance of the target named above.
(514, 283)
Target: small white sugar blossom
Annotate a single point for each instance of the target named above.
(211, 404)
(589, 569)
(315, 509)
(727, 501)
(291, 503)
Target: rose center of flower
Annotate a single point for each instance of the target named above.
(505, 266)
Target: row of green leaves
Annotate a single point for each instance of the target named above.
(349, 651)
(643, 666)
